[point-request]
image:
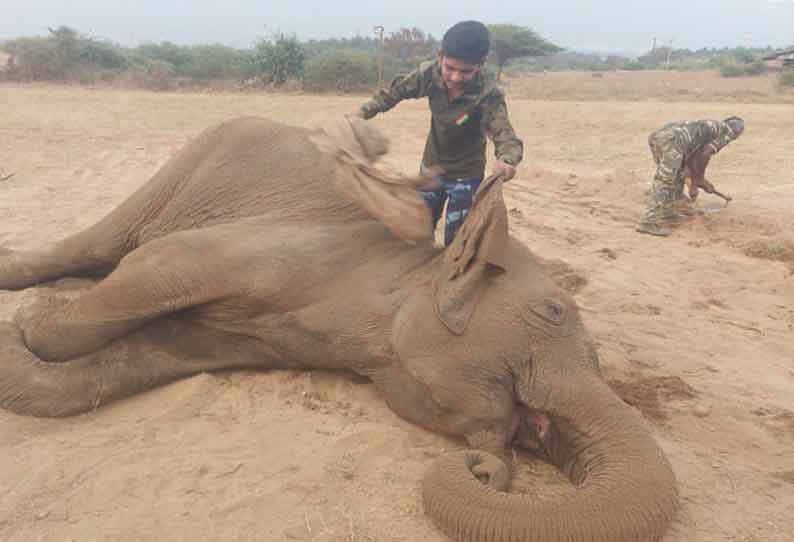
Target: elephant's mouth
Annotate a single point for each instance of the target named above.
(529, 429)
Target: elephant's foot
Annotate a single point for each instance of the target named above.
(32, 387)
(40, 322)
(13, 274)
(15, 361)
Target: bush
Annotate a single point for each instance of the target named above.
(756, 68)
(342, 71)
(35, 59)
(636, 65)
(101, 55)
(214, 62)
(171, 54)
(731, 68)
(64, 55)
(785, 80)
(276, 62)
(154, 75)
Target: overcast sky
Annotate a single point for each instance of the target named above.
(605, 25)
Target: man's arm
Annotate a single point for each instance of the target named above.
(696, 165)
(509, 149)
(413, 85)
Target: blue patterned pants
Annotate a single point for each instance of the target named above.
(460, 193)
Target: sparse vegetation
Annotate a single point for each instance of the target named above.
(331, 65)
(341, 71)
(732, 67)
(278, 61)
(785, 80)
(509, 42)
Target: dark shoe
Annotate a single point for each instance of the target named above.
(652, 229)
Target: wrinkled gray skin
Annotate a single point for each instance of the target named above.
(239, 253)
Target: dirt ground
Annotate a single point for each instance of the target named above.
(645, 85)
(695, 330)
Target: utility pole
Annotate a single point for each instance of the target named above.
(669, 55)
(379, 34)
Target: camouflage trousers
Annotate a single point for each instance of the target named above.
(460, 193)
(668, 182)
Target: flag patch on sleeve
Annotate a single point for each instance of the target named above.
(463, 119)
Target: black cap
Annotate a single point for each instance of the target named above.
(467, 40)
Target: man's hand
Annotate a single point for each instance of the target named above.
(703, 183)
(357, 114)
(707, 186)
(508, 171)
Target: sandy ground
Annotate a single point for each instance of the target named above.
(645, 85)
(695, 330)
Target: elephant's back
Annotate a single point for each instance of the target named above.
(242, 168)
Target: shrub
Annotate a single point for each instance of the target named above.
(64, 55)
(342, 71)
(731, 68)
(101, 55)
(636, 65)
(154, 75)
(276, 62)
(214, 62)
(756, 68)
(785, 80)
(171, 54)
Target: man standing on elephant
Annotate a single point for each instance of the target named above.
(465, 106)
(682, 149)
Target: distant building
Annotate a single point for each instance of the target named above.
(780, 60)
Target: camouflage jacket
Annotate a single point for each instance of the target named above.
(693, 135)
(456, 142)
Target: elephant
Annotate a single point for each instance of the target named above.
(262, 245)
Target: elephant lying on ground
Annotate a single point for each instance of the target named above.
(266, 246)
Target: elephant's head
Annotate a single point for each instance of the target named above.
(503, 359)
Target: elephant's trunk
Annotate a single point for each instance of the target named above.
(625, 488)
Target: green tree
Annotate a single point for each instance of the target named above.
(509, 41)
(410, 45)
(67, 49)
(178, 57)
(102, 55)
(279, 60)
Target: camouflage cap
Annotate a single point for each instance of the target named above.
(736, 125)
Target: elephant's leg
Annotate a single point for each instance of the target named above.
(154, 355)
(164, 276)
(94, 251)
(98, 249)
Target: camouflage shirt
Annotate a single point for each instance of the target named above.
(693, 135)
(456, 142)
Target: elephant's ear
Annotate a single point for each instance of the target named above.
(478, 251)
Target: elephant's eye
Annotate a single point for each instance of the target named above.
(550, 310)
